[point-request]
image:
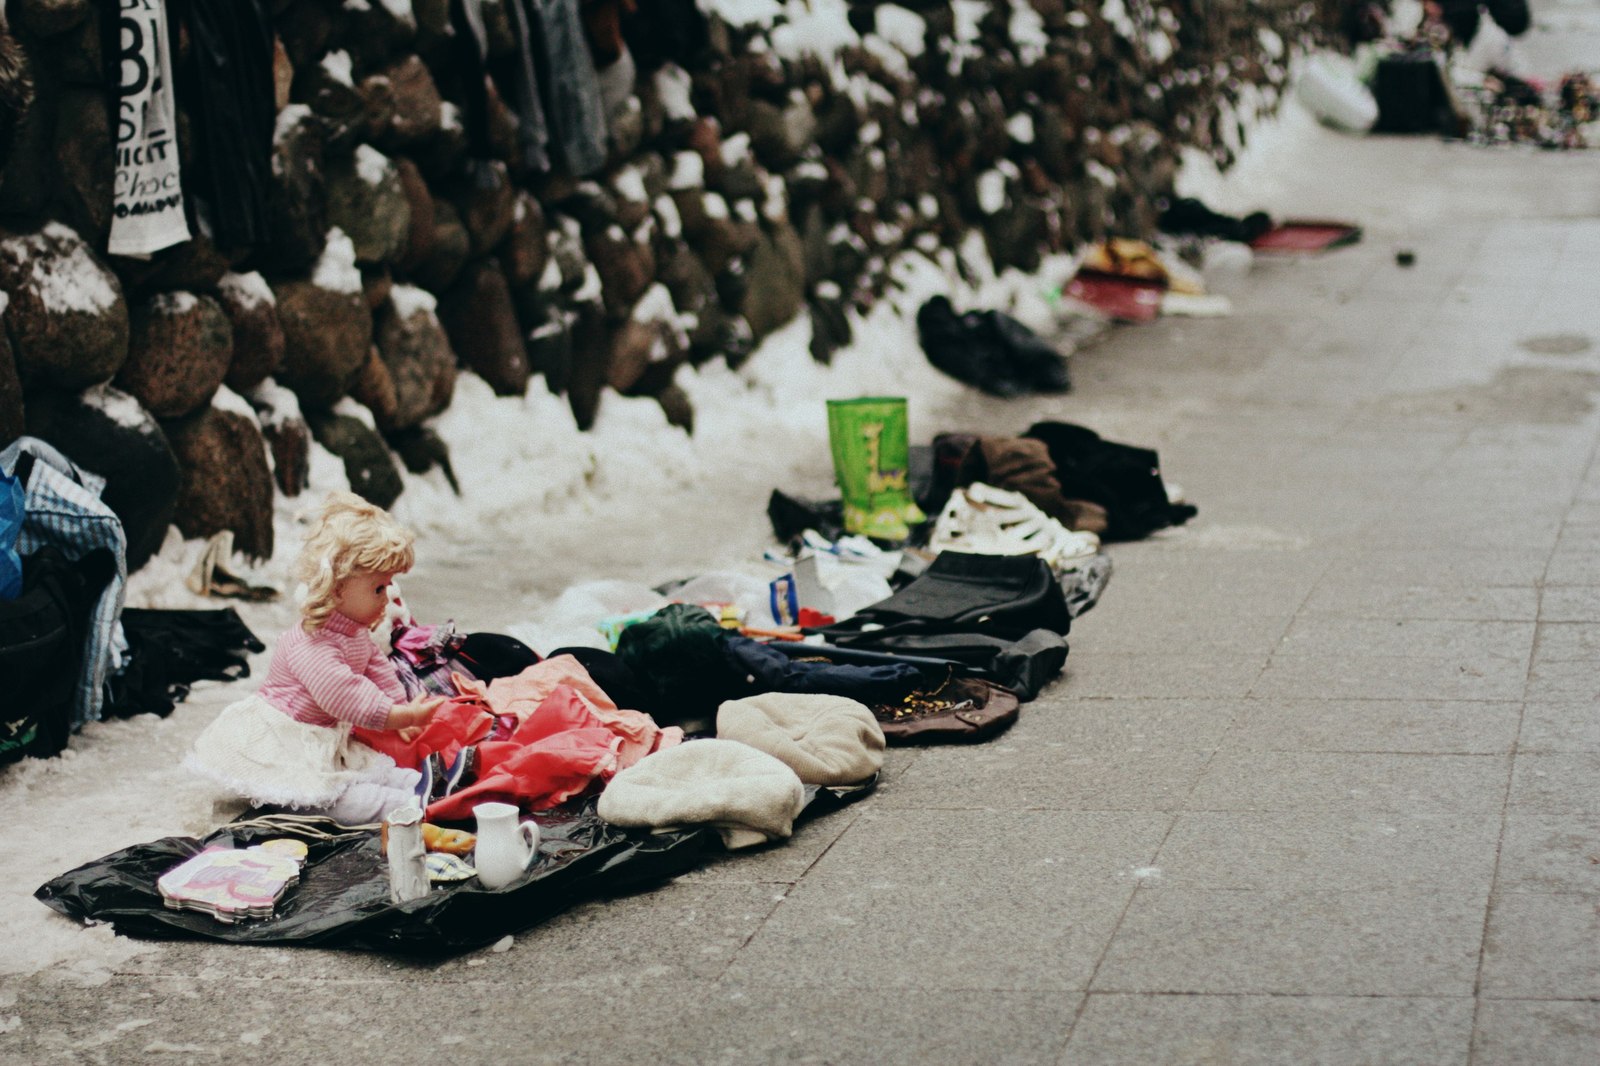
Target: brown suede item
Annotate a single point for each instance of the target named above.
(964, 710)
(1023, 465)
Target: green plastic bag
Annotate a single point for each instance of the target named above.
(871, 443)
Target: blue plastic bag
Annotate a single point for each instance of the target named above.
(12, 512)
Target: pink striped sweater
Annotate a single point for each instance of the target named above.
(334, 675)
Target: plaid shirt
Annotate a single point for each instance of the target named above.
(64, 510)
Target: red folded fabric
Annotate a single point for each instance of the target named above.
(453, 726)
(556, 753)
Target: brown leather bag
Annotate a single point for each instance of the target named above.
(963, 710)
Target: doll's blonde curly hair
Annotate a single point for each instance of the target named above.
(350, 536)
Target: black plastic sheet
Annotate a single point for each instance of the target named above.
(342, 899)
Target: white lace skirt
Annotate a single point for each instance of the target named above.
(256, 751)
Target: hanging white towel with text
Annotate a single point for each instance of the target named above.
(147, 211)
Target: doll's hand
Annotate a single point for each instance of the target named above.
(414, 714)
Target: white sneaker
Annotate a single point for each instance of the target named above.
(985, 520)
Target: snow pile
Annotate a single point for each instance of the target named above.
(70, 282)
(372, 166)
(401, 11)
(673, 86)
(288, 119)
(819, 28)
(248, 290)
(336, 271)
(174, 303)
(336, 65)
(903, 29)
(1028, 32)
(408, 300)
(743, 13)
(225, 399)
(118, 406)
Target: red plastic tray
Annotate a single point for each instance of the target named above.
(1303, 237)
(1124, 299)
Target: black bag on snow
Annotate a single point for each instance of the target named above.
(169, 650)
(991, 350)
(42, 635)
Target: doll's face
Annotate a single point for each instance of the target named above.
(363, 595)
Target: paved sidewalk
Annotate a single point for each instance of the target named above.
(1322, 784)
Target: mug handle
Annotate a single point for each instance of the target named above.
(529, 831)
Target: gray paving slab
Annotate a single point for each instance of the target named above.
(1573, 566)
(140, 1020)
(1551, 1033)
(1054, 776)
(1243, 1030)
(1542, 947)
(1146, 620)
(1364, 598)
(776, 1023)
(1578, 538)
(1388, 942)
(1562, 681)
(1569, 603)
(1162, 674)
(1133, 725)
(1466, 641)
(1398, 726)
(1567, 642)
(1550, 853)
(1345, 851)
(1029, 931)
(1458, 568)
(1312, 781)
(1084, 850)
(1585, 509)
(1559, 727)
(1357, 675)
(1555, 784)
(1489, 524)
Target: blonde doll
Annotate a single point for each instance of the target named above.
(289, 745)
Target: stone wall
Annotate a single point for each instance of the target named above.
(746, 173)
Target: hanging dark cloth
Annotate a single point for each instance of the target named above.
(569, 86)
(665, 31)
(168, 651)
(226, 83)
(469, 52)
(520, 72)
